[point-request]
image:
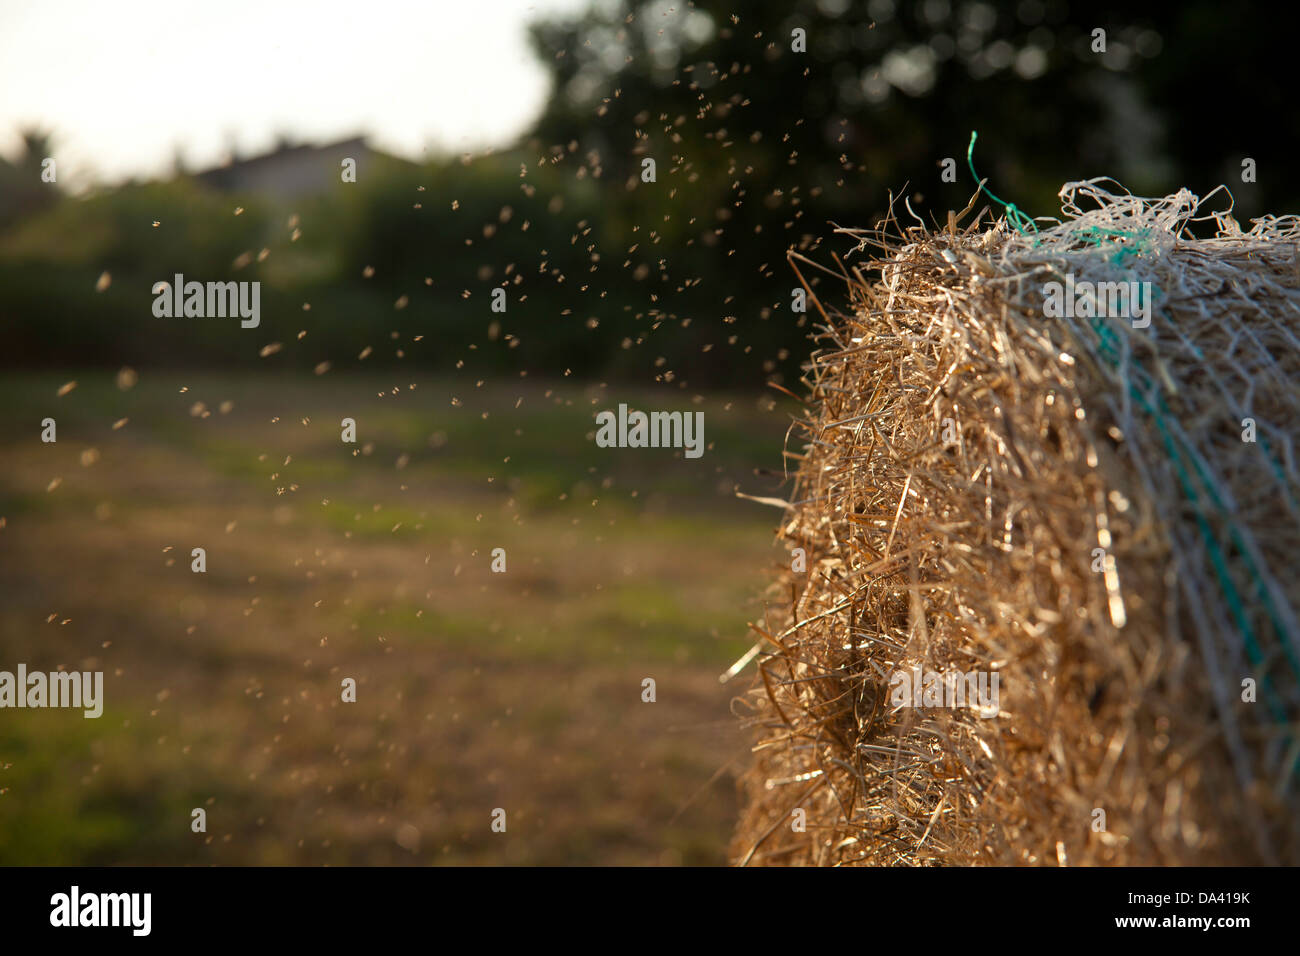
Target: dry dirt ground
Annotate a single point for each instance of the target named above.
(475, 690)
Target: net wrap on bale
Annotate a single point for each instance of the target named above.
(1099, 510)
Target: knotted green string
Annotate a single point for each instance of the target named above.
(1014, 215)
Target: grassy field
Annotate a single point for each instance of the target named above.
(475, 690)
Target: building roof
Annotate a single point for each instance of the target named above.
(292, 170)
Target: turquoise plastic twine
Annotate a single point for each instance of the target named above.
(1014, 215)
(1135, 244)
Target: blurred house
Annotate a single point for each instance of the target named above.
(295, 171)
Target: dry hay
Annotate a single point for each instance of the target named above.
(1120, 688)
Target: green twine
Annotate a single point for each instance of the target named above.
(1133, 244)
(1014, 215)
(1180, 457)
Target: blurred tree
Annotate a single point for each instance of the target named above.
(762, 135)
(23, 192)
(885, 91)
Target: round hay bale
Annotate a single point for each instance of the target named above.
(1073, 503)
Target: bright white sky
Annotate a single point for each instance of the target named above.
(122, 83)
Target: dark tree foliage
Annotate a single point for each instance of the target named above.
(886, 90)
(765, 146)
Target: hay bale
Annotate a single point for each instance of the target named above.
(1120, 671)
